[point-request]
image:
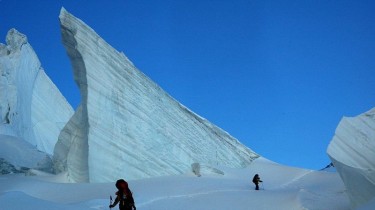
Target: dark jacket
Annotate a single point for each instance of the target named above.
(256, 179)
(123, 196)
(126, 201)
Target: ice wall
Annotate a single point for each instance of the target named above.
(31, 107)
(127, 126)
(352, 151)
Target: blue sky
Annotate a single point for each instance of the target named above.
(277, 75)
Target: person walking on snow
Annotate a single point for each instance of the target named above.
(123, 196)
(256, 180)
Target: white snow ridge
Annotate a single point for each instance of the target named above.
(127, 126)
(352, 151)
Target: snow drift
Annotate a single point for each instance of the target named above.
(127, 126)
(352, 151)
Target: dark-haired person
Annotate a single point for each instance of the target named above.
(123, 196)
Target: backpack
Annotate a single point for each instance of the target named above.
(124, 193)
(256, 179)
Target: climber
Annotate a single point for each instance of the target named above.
(123, 196)
(256, 181)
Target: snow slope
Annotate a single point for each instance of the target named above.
(285, 188)
(126, 124)
(19, 154)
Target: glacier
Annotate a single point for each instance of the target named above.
(352, 151)
(31, 106)
(128, 126)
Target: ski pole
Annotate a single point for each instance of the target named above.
(110, 201)
(262, 185)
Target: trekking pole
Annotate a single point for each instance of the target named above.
(110, 201)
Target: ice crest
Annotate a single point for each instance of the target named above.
(15, 39)
(127, 126)
(352, 151)
(31, 106)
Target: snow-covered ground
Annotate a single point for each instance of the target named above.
(283, 188)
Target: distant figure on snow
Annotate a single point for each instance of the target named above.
(256, 181)
(123, 196)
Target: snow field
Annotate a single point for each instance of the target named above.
(285, 188)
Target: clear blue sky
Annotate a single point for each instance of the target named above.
(277, 75)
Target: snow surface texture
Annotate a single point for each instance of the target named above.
(127, 126)
(31, 106)
(284, 188)
(18, 156)
(352, 151)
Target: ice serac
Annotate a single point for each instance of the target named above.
(127, 126)
(352, 151)
(31, 106)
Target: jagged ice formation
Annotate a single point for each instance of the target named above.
(126, 125)
(352, 151)
(31, 106)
